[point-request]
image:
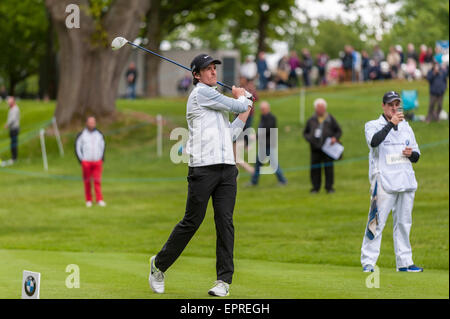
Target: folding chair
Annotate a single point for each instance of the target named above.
(410, 103)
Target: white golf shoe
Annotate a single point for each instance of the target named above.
(156, 277)
(220, 289)
(101, 203)
(89, 204)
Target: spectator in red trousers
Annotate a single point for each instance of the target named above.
(90, 151)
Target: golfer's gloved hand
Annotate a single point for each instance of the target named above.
(249, 96)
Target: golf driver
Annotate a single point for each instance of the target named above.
(119, 42)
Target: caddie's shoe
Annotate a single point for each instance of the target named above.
(368, 268)
(220, 289)
(412, 268)
(156, 277)
(88, 203)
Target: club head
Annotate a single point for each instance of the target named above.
(118, 42)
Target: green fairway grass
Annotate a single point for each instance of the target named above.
(309, 245)
(124, 275)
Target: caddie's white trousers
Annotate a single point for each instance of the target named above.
(401, 205)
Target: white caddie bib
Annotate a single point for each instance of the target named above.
(396, 171)
(392, 159)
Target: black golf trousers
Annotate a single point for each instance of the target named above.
(218, 182)
(318, 160)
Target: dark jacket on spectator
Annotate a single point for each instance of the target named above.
(268, 121)
(438, 82)
(330, 128)
(347, 61)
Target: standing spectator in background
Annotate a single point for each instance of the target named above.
(268, 121)
(399, 50)
(3, 93)
(131, 76)
(347, 63)
(437, 78)
(283, 70)
(356, 59)
(307, 64)
(425, 63)
(410, 69)
(385, 71)
(374, 70)
(294, 64)
(13, 125)
(411, 53)
(184, 83)
(365, 64)
(393, 59)
(377, 54)
(249, 69)
(438, 55)
(262, 70)
(321, 62)
(422, 53)
(318, 128)
(90, 151)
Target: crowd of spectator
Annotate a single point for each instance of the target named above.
(303, 69)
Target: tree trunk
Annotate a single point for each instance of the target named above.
(262, 31)
(89, 73)
(48, 76)
(12, 85)
(154, 41)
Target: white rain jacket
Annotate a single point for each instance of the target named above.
(211, 134)
(90, 145)
(395, 169)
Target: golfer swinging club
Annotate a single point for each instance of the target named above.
(212, 173)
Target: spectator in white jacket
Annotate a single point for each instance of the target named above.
(90, 151)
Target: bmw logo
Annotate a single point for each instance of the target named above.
(30, 286)
(407, 142)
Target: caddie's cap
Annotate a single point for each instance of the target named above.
(390, 96)
(201, 61)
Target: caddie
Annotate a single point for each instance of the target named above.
(393, 149)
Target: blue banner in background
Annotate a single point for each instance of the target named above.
(443, 45)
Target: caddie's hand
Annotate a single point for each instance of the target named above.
(397, 118)
(237, 92)
(407, 151)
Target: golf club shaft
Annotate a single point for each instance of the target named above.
(176, 63)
